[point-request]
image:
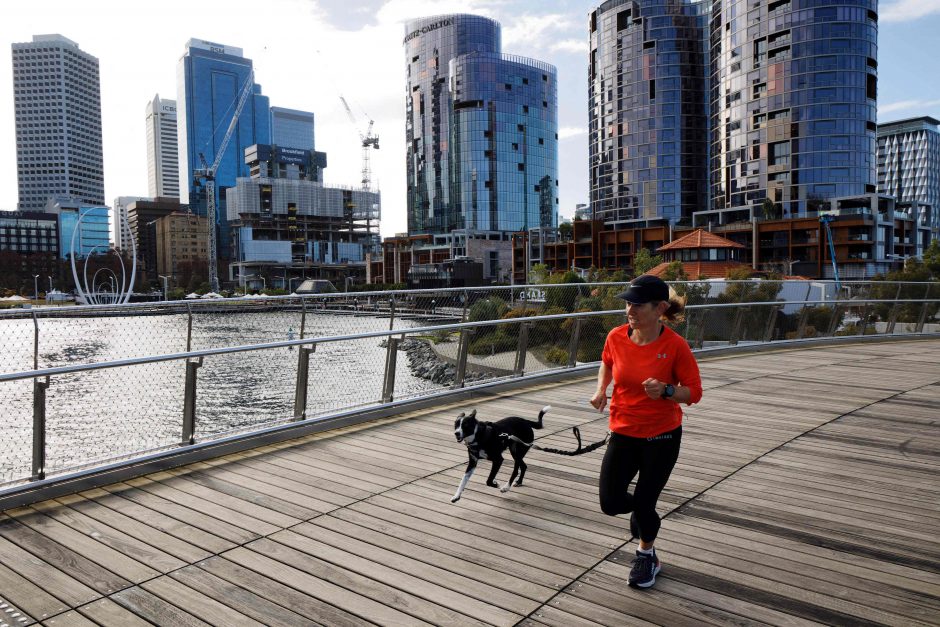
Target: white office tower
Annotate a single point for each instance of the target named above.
(163, 177)
(57, 103)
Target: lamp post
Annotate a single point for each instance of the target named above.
(790, 266)
(35, 287)
(165, 278)
(50, 283)
(348, 279)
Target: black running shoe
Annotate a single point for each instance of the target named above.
(645, 568)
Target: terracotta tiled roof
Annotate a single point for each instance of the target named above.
(696, 269)
(700, 239)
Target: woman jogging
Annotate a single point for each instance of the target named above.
(653, 370)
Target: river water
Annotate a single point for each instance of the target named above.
(116, 412)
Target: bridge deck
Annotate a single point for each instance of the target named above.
(806, 492)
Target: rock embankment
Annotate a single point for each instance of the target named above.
(427, 364)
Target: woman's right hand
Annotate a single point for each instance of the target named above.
(599, 400)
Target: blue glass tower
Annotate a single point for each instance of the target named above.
(793, 103)
(481, 130)
(292, 129)
(210, 78)
(648, 110)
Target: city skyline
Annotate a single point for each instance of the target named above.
(136, 63)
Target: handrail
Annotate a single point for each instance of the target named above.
(136, 361)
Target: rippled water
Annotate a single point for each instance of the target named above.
(115, 412)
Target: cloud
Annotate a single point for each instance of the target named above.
(533, 30)
(579, 46)
(901, 105)
(906, 10)
(571, 131)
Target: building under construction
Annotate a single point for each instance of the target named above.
(288, 226)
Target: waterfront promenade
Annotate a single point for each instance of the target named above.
(806, 492)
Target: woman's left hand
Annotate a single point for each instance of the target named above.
(654, 388)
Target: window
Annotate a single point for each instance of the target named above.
(778, 153)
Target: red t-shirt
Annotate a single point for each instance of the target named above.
(668, 359)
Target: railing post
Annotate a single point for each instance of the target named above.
(300, 391)
(834, 321)
(736, 326)
(866, 314)
(771, 323)
(700, 336)
(189, 328)
(463, 349)
(804, 317)
(39, 428)
(303, 316)
(35, 342)
(895, 311)
(522, 349)
(189, 403)
(922, 320)
(391, 357)
(391, 313)
(573, 343)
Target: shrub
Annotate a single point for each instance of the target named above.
(556, 355)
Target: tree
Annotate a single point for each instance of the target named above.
(565, 230)
(770, 209)
(644, 261)
(538, 274)
(932, 259)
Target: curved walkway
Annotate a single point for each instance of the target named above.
(806, 492)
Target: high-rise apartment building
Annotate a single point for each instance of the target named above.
(793, 88)
(210, 79)
(291, 128)
(83, 229)
(163, 176)
(481, 131)
(57, 104)
(909, 163)
(648, 110)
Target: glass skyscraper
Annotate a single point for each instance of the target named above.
(57, 101)
(793, 98)
(210, 78)
(292, 129)
(481, 130)
(648, 110)
(909, 162)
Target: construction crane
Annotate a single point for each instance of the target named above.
(206, 175)
(825, 219)
(368, 141)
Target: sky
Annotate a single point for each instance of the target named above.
(308, 53)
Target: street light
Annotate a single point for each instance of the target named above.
(50, 283)
(35, 287)
(165, 278)
(348, 279)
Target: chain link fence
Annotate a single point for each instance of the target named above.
(253, 371)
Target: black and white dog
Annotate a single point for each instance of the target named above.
(488, 440)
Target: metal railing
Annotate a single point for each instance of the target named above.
(73, 417)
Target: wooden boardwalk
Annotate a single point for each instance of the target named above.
(806, 492)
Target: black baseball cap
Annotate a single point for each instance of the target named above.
(644, 289)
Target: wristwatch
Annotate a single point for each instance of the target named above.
(669, 390)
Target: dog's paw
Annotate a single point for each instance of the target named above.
(505, 488)
(455, 499)
(494, 484)
(517, 484)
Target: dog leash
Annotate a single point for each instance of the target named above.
(577, 434)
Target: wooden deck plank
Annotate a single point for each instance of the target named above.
(201, 606)
(805, 493)
(107, 612)
(283, 595)
(63, 558)
(54, 581)
(69, 619)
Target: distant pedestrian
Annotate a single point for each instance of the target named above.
(653, 370)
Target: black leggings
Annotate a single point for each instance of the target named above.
(654, 459)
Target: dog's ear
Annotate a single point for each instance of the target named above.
(473, 414)
(461, 415)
